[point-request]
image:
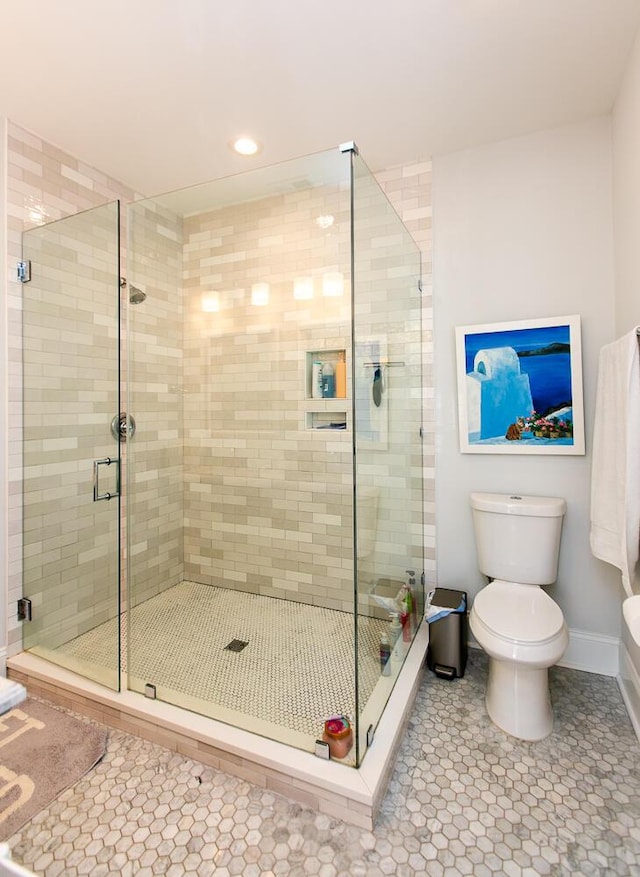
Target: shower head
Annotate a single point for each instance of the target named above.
(136, 296)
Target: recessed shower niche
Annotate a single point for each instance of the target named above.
(253, 510)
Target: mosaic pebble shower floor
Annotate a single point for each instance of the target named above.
(296, 670)
(464, 799)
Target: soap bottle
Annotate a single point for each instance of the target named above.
(341, 377)
(405, 603)
(411, 586)
(385, 655)
(328, 381)
(404, 615)
(316, 380)
(395, 628)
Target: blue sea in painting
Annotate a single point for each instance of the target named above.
(550, 379)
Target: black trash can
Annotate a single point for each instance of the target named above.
(447, 650)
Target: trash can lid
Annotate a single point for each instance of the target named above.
(449, 599)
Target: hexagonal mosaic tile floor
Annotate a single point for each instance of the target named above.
(293, 673)
(464, 799)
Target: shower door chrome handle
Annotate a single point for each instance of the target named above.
(97, 496)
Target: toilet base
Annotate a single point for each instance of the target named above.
(518, 701)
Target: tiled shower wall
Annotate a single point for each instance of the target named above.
(70, 379)
(408, 188)
(268, 502)
(154, 355)
(45, 183)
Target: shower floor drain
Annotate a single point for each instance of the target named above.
(236, 645)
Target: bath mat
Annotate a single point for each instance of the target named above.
(43, 751)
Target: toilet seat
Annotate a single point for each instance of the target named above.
(518, 613)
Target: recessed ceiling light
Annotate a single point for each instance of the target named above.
(245, 146)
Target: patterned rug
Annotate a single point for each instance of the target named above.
(42, 752)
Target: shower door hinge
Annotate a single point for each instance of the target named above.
(24, 609)
(350, 146)
(420, 286)
(23, 270)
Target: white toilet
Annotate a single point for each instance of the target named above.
(513, 619)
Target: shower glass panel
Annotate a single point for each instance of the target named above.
(240, 475)
(388, 443)
(71, 547)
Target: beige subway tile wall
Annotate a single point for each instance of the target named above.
(154, 355)
(268, 500)
(408, 188)
(44, 184)
(387, 319)
(70, 375)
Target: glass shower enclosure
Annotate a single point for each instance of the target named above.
(266, 457)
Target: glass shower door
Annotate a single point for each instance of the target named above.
(71, 459)
(388, 388)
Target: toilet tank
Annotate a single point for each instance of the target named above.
(518, 537)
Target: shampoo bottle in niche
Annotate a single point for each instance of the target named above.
(328, 381)
(341, 377)
(385, 655)
(316, 380)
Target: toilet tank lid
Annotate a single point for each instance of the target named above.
(515, 504)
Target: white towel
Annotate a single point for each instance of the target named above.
(615, 468)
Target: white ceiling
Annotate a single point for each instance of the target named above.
(151, 91)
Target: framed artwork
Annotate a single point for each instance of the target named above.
(520, 387)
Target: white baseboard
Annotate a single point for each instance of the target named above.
(629, 682)
(592, 652)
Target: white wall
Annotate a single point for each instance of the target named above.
(626, 219)
(626, 196)
(522, 229)
(3, 398)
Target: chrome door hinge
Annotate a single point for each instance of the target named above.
(24, 609)
(23, 271)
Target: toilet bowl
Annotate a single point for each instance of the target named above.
(517, 624)
(524, 633)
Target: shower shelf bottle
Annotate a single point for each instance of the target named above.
(316, 380)
(395, 628)
(404, 600)
(385, 655)
(411, 588)
(341, 377)
(328, 381)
